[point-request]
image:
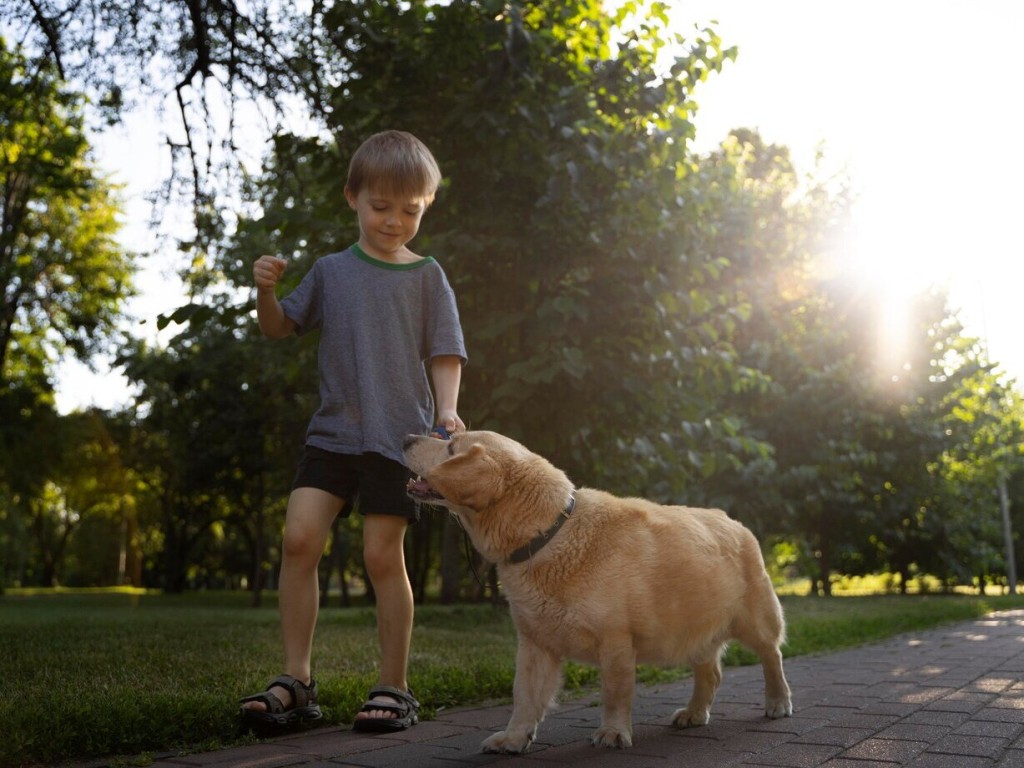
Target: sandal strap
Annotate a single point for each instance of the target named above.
(302, 695)
(405, 703)
(273, 704)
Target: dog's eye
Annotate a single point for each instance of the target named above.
(451, 448)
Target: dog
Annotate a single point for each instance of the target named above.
(603, 580)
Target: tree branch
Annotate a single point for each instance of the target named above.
(52, 35)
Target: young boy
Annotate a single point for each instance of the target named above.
(383, 313)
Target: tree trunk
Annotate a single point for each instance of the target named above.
(1011, 558)
(451, 560)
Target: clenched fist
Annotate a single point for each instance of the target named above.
(267, 271)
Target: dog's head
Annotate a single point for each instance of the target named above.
(503, 493)
(469, 470)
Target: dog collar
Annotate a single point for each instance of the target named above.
(536, 544)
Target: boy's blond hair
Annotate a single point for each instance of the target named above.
(394, 163)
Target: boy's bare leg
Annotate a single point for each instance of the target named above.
(383, 553)
(308, 521)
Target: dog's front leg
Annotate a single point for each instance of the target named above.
(618, 684)
(538, 678)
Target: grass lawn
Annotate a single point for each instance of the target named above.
(94, 675)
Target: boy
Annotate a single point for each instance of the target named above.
(383, 313)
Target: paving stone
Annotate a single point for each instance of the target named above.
(979, 746)
(886, 750)
(991, 728)
(929, 716)
(913, 732)
(834, 736)
(1013, 758)
(932, 760)
(793, 756)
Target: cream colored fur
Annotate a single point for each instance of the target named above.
(624, 581)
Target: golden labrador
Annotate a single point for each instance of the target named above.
(603, 580)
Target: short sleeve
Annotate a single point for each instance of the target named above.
(303, 306)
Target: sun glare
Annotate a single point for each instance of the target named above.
(892, 268)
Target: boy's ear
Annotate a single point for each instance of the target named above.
(351, 198)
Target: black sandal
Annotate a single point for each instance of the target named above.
(303, 711)
(405, 708)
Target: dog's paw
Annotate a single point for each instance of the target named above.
(684, 718)
(507, 743)
(778, 708)
(613, 738)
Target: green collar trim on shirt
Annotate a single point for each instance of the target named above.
(359, 252)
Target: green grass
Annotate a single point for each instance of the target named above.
(95, 675)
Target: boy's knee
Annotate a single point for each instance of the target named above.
(380, 562)
(300, 545)
(383, 559)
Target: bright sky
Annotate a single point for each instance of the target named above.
(919, 100)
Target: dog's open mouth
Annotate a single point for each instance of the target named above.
(420, 490)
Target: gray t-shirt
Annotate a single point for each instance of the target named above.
(380, 324)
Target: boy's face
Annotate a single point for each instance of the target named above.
(386, 222)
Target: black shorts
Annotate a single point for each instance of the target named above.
(377, 482)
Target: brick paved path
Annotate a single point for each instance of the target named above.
(945, 698)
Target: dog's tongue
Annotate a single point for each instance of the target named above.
(419, 485)
(420, 489)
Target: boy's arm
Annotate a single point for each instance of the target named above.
(274, 324)
(446, 371)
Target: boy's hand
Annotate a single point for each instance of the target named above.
(451, 423)
(267, 271)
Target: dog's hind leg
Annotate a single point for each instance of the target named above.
(707, 676)
(778, 701)
(764, 633)
(538, 678)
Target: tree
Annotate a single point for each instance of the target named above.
(63, 276)
(218, 63)
(86, 492)
(563, 224)
(986, 424)
(214, 435)
(906, 413)
(791, 468)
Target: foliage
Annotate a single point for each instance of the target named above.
(112, 669)
(211, 439)
(63, 276)
(221, 66)
(856, 426)
(64, 281)
(655, 322)
(563, 221)
(981, 463)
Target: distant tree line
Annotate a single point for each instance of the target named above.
(656, 322)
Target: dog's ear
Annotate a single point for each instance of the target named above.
(472, 479)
